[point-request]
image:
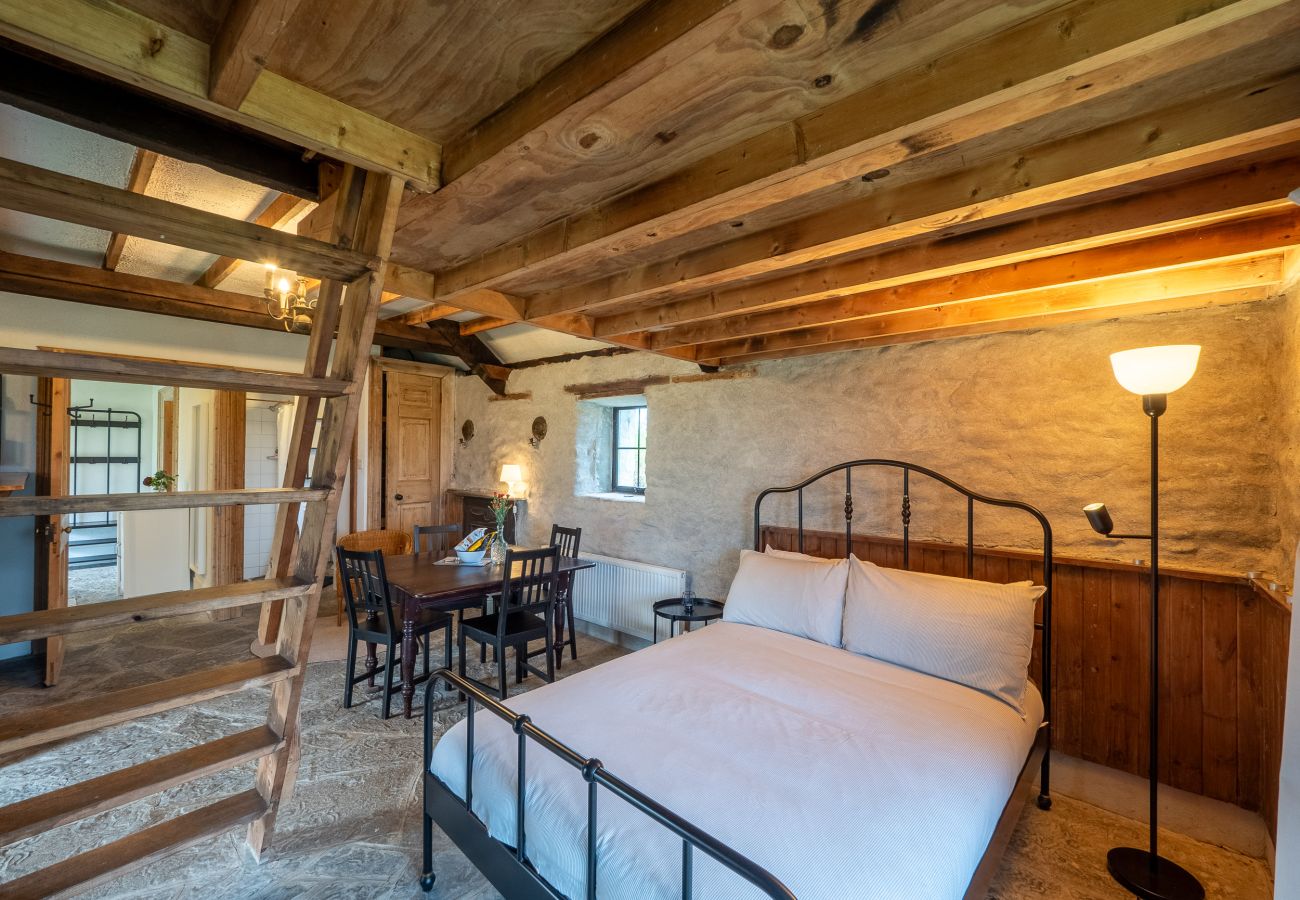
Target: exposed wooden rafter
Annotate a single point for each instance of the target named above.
(277, 214)
(137, 181)
(250, 30)
(108, 38)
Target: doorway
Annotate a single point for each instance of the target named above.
(408, 443)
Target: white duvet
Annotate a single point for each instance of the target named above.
(841, 775)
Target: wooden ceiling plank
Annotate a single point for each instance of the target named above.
(1250, 189)
(278, 213)
(487, 323)
(1110, 160)
(117, 42)
(54, 195)
(1183, 281)
(239, 52)
(137, 181)
(1218, 242)
(82, 284)
(1097, 314)
(643, 43)
(1063, 58)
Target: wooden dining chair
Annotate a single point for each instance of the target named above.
(567, 541)
(392, 543)
(372, 619)
(440, 539)
(524, 612)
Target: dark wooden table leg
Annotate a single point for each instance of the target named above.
(557, 647)
(408, 656)
(372, 661)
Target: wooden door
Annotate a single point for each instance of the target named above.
(412, 449)
(52, 437)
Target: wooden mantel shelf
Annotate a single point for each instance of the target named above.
(12, 481)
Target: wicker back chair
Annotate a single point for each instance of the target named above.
(390, 543)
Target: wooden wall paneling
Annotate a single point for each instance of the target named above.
(1276, 641)
(1067, 659)
(1181, 727)
(1219, 648)
(1250, 700)
(1126, 671)
(1096, 657)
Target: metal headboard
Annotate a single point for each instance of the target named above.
(972, 497)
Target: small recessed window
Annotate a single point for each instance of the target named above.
(629, 444)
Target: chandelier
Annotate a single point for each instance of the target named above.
(286, 301)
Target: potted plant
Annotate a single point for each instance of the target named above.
(160, 481)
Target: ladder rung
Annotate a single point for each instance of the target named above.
(33, 727)
(90, 503)
(88, 798)
(43, 623)
(165, 374)
(95, 866)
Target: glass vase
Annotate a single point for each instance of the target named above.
(498, 549)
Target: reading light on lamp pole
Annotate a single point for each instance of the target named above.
(1152, 373)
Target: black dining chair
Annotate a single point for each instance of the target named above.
(524, 612)
(371, 619)
(440, 539)
(567, 540)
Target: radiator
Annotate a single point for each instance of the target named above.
(620, 594)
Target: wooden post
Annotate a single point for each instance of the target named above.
(230, 415)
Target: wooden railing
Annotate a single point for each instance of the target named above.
(1224, 660)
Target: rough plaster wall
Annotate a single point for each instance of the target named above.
(1288, 501)
(1032, 415)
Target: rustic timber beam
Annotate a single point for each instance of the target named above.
(1167, 284)
(1052, 320)
(247, 34)
(137, 181)
(107, 38)
(94, 103)
(419, 285)
(487, 323)
(1215, 242)
(1248, 189)
(278, 213)
(41, 192)
(1060, 59)
(475, 354)
(83, 284)
(1111, 160)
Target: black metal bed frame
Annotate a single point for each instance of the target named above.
(508, 868)
(972, 497)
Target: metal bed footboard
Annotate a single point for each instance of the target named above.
(507, 867)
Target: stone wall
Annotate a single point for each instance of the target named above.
(1289, 445)
(1033, 415)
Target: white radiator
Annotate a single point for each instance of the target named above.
(620, 594)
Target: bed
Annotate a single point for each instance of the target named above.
(751, 762)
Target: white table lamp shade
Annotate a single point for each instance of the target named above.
(511, 474)
(1155, 370)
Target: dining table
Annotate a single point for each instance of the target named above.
(420, 581)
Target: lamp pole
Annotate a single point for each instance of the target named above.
(1145, 873)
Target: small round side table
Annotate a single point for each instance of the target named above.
(675, 610)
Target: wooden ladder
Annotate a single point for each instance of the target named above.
(330, 389)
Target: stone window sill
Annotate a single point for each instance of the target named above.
(617, 497)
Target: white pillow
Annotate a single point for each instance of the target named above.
(976, 633)
(791, 554)
(800, 597)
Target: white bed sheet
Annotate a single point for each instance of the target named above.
(842, 775)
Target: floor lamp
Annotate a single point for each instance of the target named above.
(1153, 373)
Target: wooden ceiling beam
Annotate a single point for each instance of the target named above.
(1114, 159)
(487, 323)
(54, 195)
(137, 181)
(1063, 58)
(1026, 323)
(122, 44)
(1216, 242)
(1167, 284)
(1249, 189)
(278, 213)
(475, 354)
(239, 52)
(83, 284)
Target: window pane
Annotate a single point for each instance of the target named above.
(625, 470)
(642, 420)
(640, 469)
(627, 432)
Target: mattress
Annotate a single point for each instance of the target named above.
(841, 775)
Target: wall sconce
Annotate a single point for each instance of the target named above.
(467, 432)
(513, 476)
(539, 432)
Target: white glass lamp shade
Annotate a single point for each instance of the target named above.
(1155, 370)
(511, 474)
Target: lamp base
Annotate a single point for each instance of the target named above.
(1166, 880)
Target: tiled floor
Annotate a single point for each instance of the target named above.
(351, 828)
